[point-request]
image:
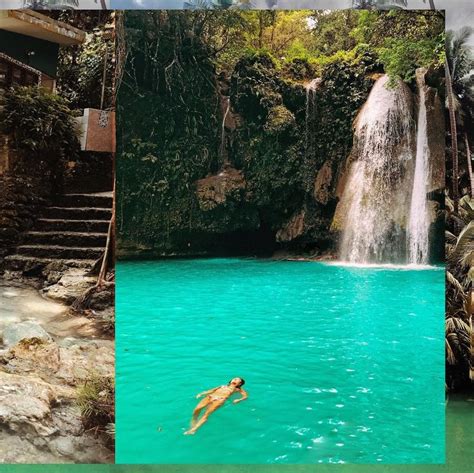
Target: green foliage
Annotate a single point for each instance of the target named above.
(403, 41)
(401, 58)
(41, 123)
(169, 130)
(332, 31)
(459, 303)
(461, 64)
(279, 119)
(81, 67)
(96, 400)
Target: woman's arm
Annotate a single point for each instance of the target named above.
(244, 396)
(205, 393)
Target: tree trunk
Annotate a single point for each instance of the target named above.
(109, 253)
(454, 136)
(471, 358)
(469, 165)
(432, 5)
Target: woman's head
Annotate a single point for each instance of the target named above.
(237, 382)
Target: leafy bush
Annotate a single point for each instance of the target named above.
(402, 58)
(41, 123)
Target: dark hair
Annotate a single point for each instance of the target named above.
(242, 382)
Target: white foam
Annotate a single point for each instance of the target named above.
(390, 266)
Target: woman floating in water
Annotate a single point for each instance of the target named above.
(215, 398)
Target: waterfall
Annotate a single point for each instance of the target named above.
(376, 198)
(418, 227)
(311, 89)
(223, 150)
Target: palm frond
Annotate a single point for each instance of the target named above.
(463, 253)
(450, 238)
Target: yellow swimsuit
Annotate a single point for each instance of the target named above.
(217, 397)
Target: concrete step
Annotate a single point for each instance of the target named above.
(70, 239)
(27, 263)
(101, 200)
(50, 224)
(60, 252)
(77, 213)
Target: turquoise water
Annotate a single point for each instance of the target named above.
(342, 364)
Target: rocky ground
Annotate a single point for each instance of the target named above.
(46, 354)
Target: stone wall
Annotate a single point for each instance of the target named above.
(20, 199)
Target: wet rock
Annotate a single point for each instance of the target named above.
(17, 332)
(322, 184)
(436, 140)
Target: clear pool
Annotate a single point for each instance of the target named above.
(342, 364)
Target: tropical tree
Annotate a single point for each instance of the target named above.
(460, 94)
(459, 295)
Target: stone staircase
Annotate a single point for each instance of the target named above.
(72, 233)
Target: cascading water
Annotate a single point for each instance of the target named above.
(223, 150)
(418, 227)
(375, 201)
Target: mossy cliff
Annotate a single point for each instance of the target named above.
(231, 160)
(268, 185)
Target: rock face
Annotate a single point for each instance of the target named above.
(293, 229)
(322, 184)
(39, 422)
(227, 186)
(250, 162)
(284, 155)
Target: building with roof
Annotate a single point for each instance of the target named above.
(29, 52)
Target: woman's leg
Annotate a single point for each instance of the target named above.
(197, 410)
(212, 407)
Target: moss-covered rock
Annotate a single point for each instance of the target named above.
(279, 119)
